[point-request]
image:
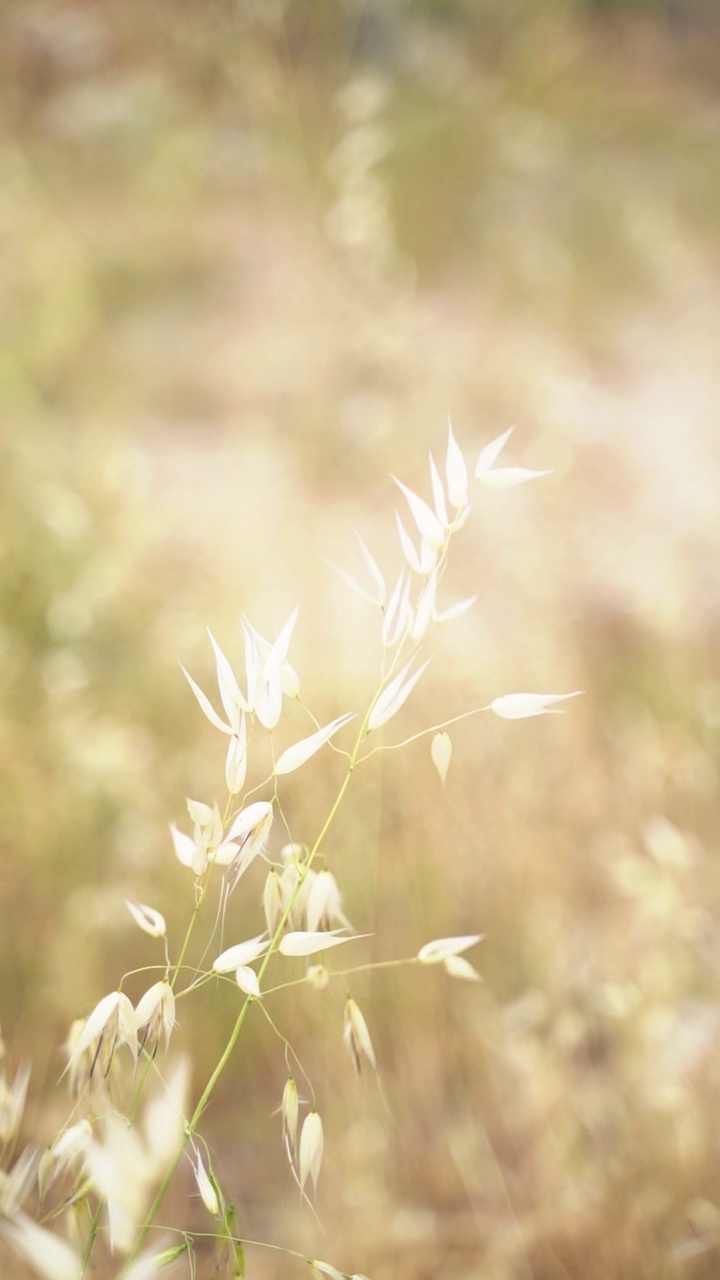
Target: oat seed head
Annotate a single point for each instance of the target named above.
(306, 943)
(208, 1194)
(242, 953)
(439, 950)
(441, 753)
(155, 1016)
(356, 1036)
(290, 1112)
(147, 919)
(312, 1141)
(521, 706)
(122, 1164)
(292, 758)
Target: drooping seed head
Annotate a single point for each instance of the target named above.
(208, 1194)
(311, 1148)
(155, 1014)
(112, 1023)
(357, 1037)
(273, 904)
(290, 1111)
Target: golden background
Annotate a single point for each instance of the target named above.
(253, 256)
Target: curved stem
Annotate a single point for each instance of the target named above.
(289, 1050)
(370, 967)
(433, 728)
(227, 1051)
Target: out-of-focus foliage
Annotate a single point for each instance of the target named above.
(253, 255)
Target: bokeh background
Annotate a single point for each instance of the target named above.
(254, 253)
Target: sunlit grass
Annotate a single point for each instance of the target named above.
(202, 388)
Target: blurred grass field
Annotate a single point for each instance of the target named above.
(253, 257)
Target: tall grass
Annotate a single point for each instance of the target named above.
(95, 1196)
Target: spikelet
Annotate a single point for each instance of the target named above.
(311, 1148)
(357, 1037)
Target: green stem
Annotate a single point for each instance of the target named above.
(227, 1052)
(243, 1240)
(433, 728)
(190, 1127)
(92, 1235)
(277, 936)
(374, 965)
(370, 967)
(188, 934)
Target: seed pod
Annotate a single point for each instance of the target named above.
(290, 1110)
(273, 904)
(208, 1194)
(147, 919)
(459, 967)
(324, 905)
(311, 1148)
(357, 1036)
(112, 1022)
(441, 752)
(155, 1014)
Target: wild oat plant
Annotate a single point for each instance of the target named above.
(103, 1179)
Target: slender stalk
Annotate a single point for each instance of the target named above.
(186, 940)
(92, 1235)
(343, 973)
(243, 1240)
(227, 1051)
(433, 728)
(189, 1129)
(277, 936)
